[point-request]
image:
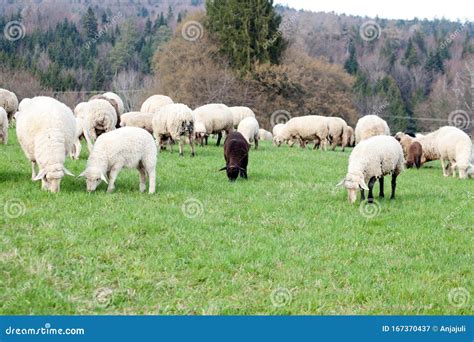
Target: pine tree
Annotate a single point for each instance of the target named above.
(89, 23)
(351, 64)
(411, 56)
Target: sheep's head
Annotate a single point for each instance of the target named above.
(278, 140)
(353, 182)
(232, 171)
(187, 127)
(465, 171)
(51, 176)
(93, 178)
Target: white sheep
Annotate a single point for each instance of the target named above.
(154, 102)
(369, 126)
(46, 131)
(263, 134)
(249, 128)
(348, 138)
(372, 159)
(455, 149)
(117, 99)
(304, 128)
(3, 126)
(174, 121)
(129, 147)
(214, 118)
(239, 113)
(336, 128)
(9, 102)
(76, 151)
(138, 119)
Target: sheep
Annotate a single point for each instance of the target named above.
(336, 128)
(138, 119)
(369, 126)
(129, 147)
(373, 158)
(414, 154)
(76, 151)
(236, 155)
(154, 102)
(240, 113)
(250, 130)
(455, 148)
(263, 134)
(46, 132)
(174, 121)
(215, 118)
(304, 128)
(348, 139)
(99, 117)
(9, 102)
(3, 126)
(115, 101)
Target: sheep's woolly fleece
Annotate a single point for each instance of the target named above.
(138, 119)
(263, 134)
(214, 117)
(239, 113)
(117, 99)
(455, 146)
(249, 128)
(370, 126)
(171, 120)
(9, 102)
(3, 126)
(154, 102)
(308, 127)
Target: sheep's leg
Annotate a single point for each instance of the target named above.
(394, 185)
(33, 170)
(256, 143)
(181, 147)
(371, 187)
(142, 172)
(219, 137)
(77, 149)
(205, 138)
(243, 174)
(302, 143)
(88, 140)
(381, 193)
(443, 166)
(191, 142)
(151, 180)
(362, 194)
(114, 171)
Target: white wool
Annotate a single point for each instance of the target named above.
(98, 115)
(128, 147)
(249, 128)
(9, 102)
(3, 126)
(455, 147)
(154, 102)
(369, 126)
(277, 129)
(169, 120)
(117, 99)
(308, 127)
(46, 131)
(137, 119)
(24, 103)
(215, 118)
(239, 113)
(76, 151)
(348, 138)
(375, 157)
(336, 128)
(263, 134)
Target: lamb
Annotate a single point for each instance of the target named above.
(174, 121)
(455, 148)
(215, 118)
(250, 130)
(9, 102)
(46, 132)
(263, 134)
(336, 128)
(129, 147)
(414, 154)
(236, 155)
(138, 119)
(369, 126)
(240, 113)
(154, 102)
(115, 101)
(304, 128)
(348, 139)
(373, 158)
(3, 126)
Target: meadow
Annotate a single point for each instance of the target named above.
(286, 241)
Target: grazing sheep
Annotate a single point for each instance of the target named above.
(236, 155)
(263, 134)
(348, 138)
(76, 151)
(46, 132)
(9, 102)
(336, 128)
(154, 102)
(250, 130)
(369, 126)
(138, 119)
(129, 147)
(117, 99)
(118, 107)
(215, 118)
(372, 159)
(240, 113)
(455, 148)
(414, 154)
(304, 128)
(3, 126)
(174, 121)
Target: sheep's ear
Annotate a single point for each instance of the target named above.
(224, 168)
(40, 175)
(102, 176)
(341, 182)
(363, 185)
(69, 173)
(82, 174)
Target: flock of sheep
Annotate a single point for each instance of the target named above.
(49, 131)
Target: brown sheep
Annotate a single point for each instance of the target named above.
(415, 152)
(236, 154)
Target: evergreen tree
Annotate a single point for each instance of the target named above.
(351, 64)
(411, 56)
(89, 23)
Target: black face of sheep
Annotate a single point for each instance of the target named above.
(236, 154)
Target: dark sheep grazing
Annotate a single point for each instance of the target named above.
(236, 154)
(113, 103)
(414, 154)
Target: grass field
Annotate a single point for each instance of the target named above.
(284, 242)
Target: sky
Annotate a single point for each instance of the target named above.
(392, 9)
